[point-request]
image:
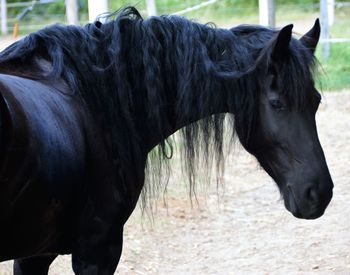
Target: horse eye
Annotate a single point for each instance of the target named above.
(276, 104)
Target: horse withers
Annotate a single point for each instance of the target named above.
(82, 107)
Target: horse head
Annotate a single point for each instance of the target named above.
(285, 139)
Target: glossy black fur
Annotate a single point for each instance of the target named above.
(86, 106)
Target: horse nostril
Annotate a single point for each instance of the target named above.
(311, 194)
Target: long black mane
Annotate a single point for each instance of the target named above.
(130, 65)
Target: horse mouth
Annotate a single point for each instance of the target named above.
(293, 205)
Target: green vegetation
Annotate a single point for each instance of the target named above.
(335, 72)
(51, 8)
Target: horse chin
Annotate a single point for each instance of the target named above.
(292, 206)
(309, 215)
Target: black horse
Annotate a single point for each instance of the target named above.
(81, 108)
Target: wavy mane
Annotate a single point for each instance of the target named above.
(130, 64)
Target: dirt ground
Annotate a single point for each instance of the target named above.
(246, 229)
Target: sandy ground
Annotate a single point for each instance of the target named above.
(246, 229)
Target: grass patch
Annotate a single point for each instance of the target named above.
(335, 71)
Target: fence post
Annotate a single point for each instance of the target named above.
(72, 12)
(3, 17)
(151, 8)
(267, 13)
(96, 8)
(324, 28)
(330, 12)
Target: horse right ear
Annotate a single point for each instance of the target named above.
(310, 39)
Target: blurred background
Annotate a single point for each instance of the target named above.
(20, 17)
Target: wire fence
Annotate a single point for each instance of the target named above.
(196, 7)
(202, 11)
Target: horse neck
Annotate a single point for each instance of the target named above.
(189, 90)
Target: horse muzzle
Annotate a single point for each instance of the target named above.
(310, 203)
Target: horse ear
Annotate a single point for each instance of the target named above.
(280, 49)
(310, 39)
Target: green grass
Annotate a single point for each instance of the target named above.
(341, 28)
(335, 71)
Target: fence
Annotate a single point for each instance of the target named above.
(202, 11)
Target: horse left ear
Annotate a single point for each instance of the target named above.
(280, 49)
(310, 39)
